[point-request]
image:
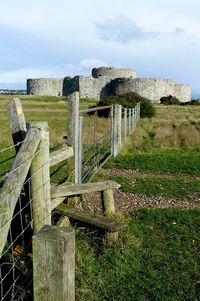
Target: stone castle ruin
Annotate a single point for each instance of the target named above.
(106, 81)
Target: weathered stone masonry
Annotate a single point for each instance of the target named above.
(109, 81)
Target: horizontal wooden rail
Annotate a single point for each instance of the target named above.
(95, 109)
(11, 189)
(91, 218)
(74, 189)
(61, 154)
(61, 192)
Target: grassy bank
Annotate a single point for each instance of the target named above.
(163, 161)
(155, 259)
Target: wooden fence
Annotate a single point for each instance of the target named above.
(31, 248)
(92, 154)
(29, 244)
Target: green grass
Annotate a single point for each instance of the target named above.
(52, 109)
(159, 186)
(156, 258)
(176, 162)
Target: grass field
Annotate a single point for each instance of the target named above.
(157, 257)
(50, 109)
(173, 127)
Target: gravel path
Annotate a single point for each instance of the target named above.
(125, 202)
(132, 174)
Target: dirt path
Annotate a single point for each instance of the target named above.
(125, 202)
(132, 174)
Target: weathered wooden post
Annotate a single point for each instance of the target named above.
(125, 124)
(133, 119)
(108, 202)
(109, 211)
(119, 125)
(17, 121)
(136, 115)
(12, 187)
(129, 121)
(138, 110)
(73, 130)
(54, 264)
(80, 149)
(40, 180)
(117, 135)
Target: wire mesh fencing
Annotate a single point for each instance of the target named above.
(19, 216)
(95, 140)
(102, 131)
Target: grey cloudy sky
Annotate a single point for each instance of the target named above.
(58, 38)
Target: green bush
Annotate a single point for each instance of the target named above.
(193, 102)
(129, 100)
(169, 100)
(147, 109)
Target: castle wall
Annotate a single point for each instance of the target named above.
(88, 87)
(183, 92)
(151, 88)
(113, 73)
(107, 81)
(102, 87)
(45, 86)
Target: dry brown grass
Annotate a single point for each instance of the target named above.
(173, 127)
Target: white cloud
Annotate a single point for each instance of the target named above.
(58, 38)
(122, 29)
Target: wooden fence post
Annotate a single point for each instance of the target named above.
(117, 137)
(108, 202)
(135, 116)
(72, 129)
(54, 264)
(80, 149)
(119, 125)
(129, 121)
(40, 180)
(125, 124)
(109, 211)
(17, 120)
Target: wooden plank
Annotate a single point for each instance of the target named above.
(76, 189)
(40, 180)
(60, 155)
(54, 264)
(11, 189)
(90, 218)
(19, 129)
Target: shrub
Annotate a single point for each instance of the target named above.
(147, 109)
(169, 100)
(129, 100)
(193, 102)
